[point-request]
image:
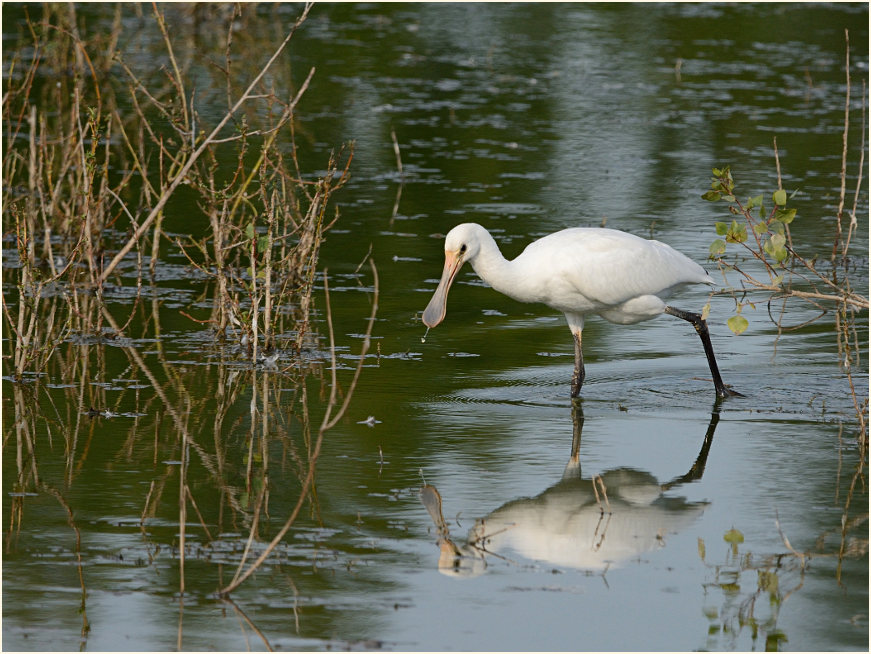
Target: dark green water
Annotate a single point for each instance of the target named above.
(526, 118)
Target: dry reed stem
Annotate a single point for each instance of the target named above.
(844, 135)
(194, 157)
(861, 171)
(396, 151)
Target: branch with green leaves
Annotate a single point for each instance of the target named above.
(762, 233)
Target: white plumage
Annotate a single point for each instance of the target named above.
(618, 276)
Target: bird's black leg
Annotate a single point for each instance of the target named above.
(701, 328)
(578, 377)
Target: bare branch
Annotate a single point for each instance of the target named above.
(182, 174)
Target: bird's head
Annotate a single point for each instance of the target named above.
(462, 244)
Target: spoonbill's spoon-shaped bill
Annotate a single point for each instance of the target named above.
(584, 270)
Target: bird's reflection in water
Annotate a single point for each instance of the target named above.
(589, 524)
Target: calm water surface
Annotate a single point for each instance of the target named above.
(526, 118)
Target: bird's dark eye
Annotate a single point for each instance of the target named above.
(462, 248)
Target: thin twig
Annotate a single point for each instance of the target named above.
(396, 151)
(853, 221)
(844, 135)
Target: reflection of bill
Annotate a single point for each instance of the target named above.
(589, 524)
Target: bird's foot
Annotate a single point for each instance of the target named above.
(576, 388)
(724, 392)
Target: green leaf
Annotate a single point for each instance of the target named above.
(774, 246)
(249, 230)
(737, 324)
(778, 240)
(717, 248)
(779, 197)
(729, 198)
(737, 233)
(721, 228)
(760, 228)
(733, 536)
(711, 196)
(753, 202)
(262, 244)
(785, 216)
(717, 172)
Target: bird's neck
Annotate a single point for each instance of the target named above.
(503, 275)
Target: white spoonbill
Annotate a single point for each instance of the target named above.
(580, 271)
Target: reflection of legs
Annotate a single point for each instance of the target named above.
(573, 467)
(701, 328)
(695, 473)
(578, 377)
